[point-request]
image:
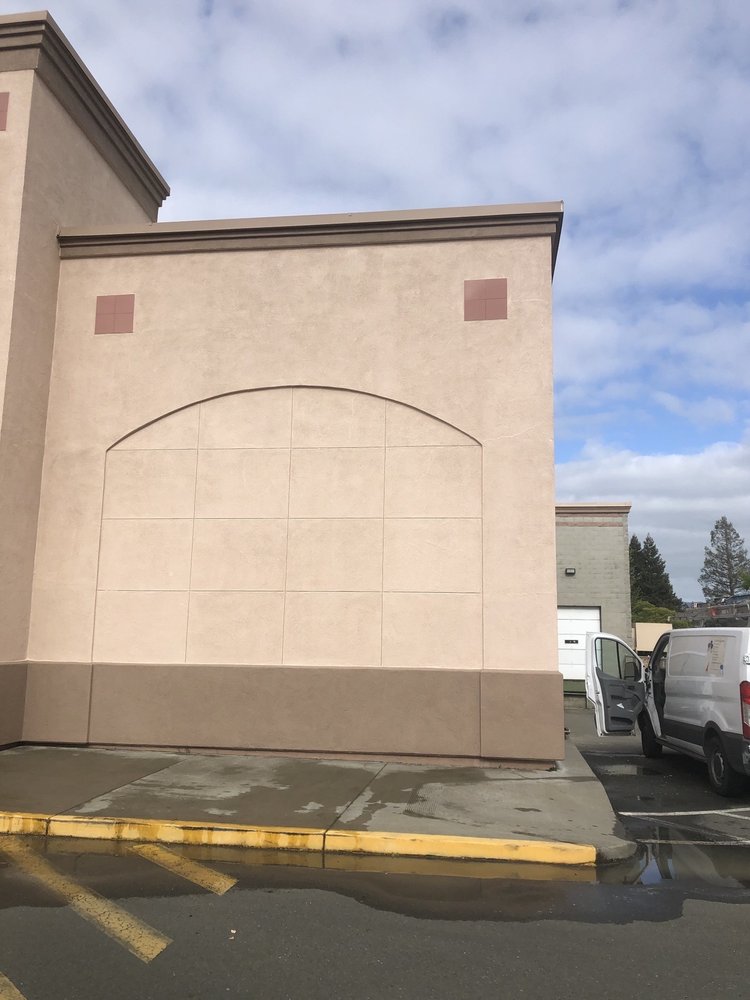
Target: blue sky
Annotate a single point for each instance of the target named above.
(635, 112)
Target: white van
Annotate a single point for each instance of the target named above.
(693, 697)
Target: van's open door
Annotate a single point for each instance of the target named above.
(614, 683)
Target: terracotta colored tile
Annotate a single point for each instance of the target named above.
(495, 288)
(122, 323)
(486, 298)
(104, 324)
(474, 290)
(496, 309)
(114, 313)
(4, 97)
(124, 303)
(486, 288)
(105, 305)
(474, 310)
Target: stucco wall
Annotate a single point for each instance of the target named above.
(13, 142)
(299, 525)
(383, 320)
(432, 432)
(299, 504)
(62, 178)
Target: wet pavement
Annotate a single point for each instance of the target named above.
(82, 919)
(552, 816)
(423, 929)
(685, 831)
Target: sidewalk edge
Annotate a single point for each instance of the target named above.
(298, 838)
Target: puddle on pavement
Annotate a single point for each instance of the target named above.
(690, 863)
(652, 886)
(668, 861)
(628, 769)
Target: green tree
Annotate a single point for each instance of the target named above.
(649, 580)
(726, 562)
(636, 559)
(644, 611)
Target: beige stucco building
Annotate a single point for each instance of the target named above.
(280, 484)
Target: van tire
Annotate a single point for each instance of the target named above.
(722, 776)
(649, 744)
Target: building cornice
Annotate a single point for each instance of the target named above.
(33, 41)
(567, 510)
(420, 226)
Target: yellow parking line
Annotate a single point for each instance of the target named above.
(193, 871)
(141, 940)
(8, 990)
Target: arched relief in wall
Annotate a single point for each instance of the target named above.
(304, 526)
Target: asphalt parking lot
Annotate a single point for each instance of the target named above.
(667, 805)
(84, 919)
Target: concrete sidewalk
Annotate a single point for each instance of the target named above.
(328, 806)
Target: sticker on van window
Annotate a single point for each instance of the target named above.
(715, 658)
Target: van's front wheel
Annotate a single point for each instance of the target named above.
(649, 744)
(722, 776)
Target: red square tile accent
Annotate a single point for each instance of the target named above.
(4, 98)
(105, 324)
(474, 309)
(105, 305)
(114, 313)
(486, 298)
(496, 309)
(122, 323)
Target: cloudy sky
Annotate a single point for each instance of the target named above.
(635, 112)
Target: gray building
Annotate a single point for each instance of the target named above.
(593, 580)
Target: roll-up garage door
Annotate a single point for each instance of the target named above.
(572, 626)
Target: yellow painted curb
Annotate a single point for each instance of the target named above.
(298, 839)
(394, 864)
(477, 848)
(24, 823)
(176, 832)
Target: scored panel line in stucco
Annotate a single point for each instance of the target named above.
(192, 544)
(96, 598)
(289, 590)
(317, 447)
(481, 577)
(382, 548)
(288, 504)
(314, 517)
(450, 504)
(333, 438)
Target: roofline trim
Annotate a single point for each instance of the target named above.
(301, 232)
(577, 509)
(33, 41)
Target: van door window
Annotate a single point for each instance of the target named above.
(607, 657)
(616, 660)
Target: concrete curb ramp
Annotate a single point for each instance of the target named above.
(290, 838)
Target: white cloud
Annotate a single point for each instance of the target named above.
(634, 112)
(700, 412)
(675, 498)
